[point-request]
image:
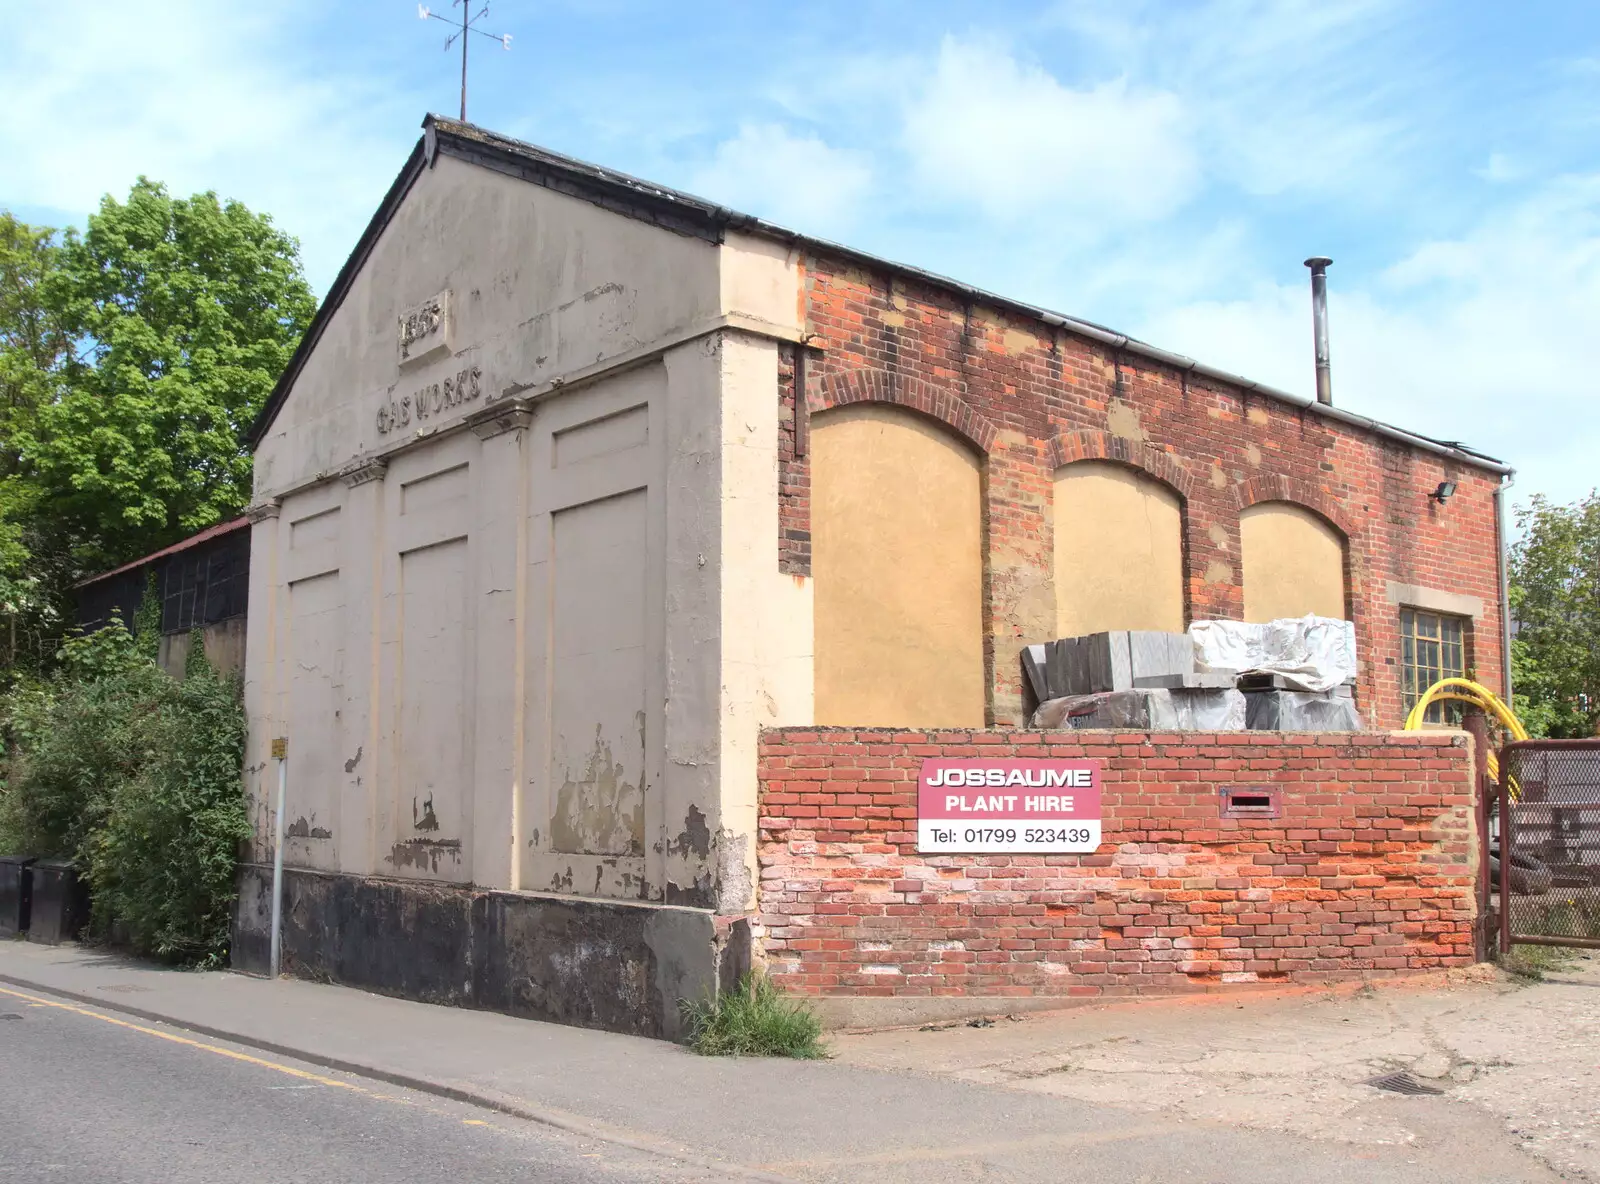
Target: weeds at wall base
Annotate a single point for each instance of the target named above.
(1529, 964)
(753, 1021)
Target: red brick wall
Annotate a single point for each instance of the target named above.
(1031, 397)
(1366, 872)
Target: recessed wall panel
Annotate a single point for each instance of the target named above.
(601, 437)
(597, 672)
(432, 736)
(315, 685)
(434, 490)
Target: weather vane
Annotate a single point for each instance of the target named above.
(468, 25)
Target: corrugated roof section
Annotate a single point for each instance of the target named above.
(194, 540)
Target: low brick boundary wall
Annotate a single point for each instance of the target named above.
(1367, 871)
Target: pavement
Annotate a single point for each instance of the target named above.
(912, 1106)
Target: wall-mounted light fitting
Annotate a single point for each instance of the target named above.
(1444, 492)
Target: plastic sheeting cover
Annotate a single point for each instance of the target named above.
(1300, 711)
(1313, 653)
(1198, 710)
(1146, 710)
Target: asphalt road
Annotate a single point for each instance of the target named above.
(88, 1098)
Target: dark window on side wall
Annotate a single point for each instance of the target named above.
(1432, 646)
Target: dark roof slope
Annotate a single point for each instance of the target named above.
(684, 213)
(194, 540)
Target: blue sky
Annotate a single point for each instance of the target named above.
(1159, 167)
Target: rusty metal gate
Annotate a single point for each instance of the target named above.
(1546, 861)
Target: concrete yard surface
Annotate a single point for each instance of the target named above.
(1517, 1065)
(957, 1104)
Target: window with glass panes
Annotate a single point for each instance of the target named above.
(1432, 646)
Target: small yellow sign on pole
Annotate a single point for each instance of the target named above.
(280, 748)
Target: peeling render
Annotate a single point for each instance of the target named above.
(601, 812)
(695, 838)
(300, 828)
(735, 886)
(424, 854)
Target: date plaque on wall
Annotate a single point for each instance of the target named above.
(425, 330)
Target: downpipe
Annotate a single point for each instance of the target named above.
(1505, 585)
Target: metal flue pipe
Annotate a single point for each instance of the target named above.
(1319, 326)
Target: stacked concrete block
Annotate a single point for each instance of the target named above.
(1301, 711)
(1214, 680)
(1035, 662)
(1145, 710)
(1143, 679)
(1123, 660)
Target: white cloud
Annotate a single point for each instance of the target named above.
(796, 180)
(1487, 337)
(1282, 95)
(201, 96)
(1012, 139)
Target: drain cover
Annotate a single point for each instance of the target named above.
(1403, 1083)
(9, 1015)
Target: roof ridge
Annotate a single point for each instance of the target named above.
(684, 213)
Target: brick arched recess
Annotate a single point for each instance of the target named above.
(1067, 447)
(1275, 487)
(937, 402)
(883, 386)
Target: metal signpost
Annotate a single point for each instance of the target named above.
(988, 807)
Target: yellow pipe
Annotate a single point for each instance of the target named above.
(1464, 690)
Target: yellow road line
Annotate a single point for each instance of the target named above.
(201, 1044)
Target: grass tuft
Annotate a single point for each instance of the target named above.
(1531, 963)
(753, 1021)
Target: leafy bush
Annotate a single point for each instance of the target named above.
(163, 862)
(72, 739)
(136, 777)
(753, 1021)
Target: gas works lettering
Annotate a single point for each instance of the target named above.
(459, 388)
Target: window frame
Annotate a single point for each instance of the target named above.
(1452, 658)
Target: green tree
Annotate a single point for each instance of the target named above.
(185, 312)
(33, 340)
(34, 344)
(1555, 602)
